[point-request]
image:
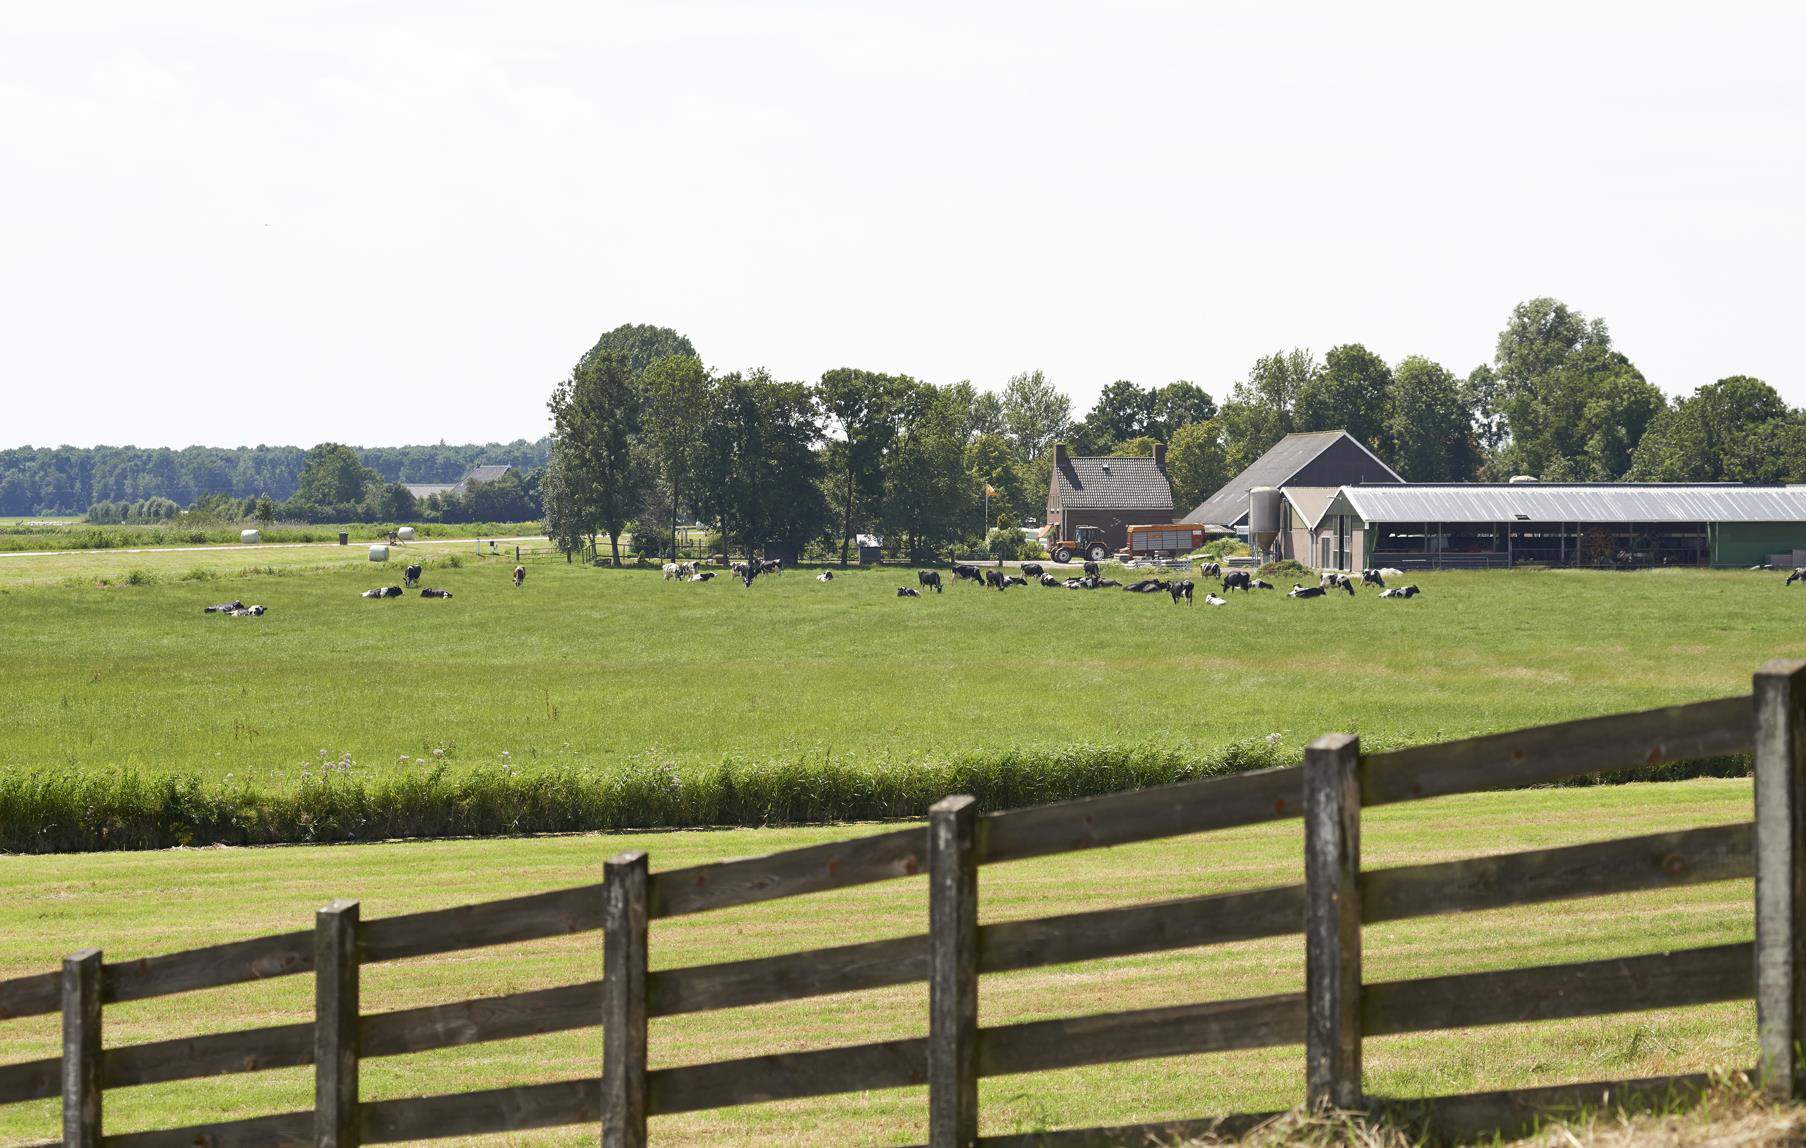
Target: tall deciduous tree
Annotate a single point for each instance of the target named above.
(862, 405)
(1431, 427)
(1196, 463)
(1035, 413)
(595, 419)
(1262, 409)
(1179, 403)
(1122, 412)
(674, 396)
(1737, 429)
(1352, 392)
(333, 475)
(763, 468)
(928, 498)
(641, 344)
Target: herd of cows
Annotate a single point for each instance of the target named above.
(1179, 590)
(410, 578)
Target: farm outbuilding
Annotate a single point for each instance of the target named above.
(1109, 493)
(1415, 525)
(1323, 460)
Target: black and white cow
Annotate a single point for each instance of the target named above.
(929, 579)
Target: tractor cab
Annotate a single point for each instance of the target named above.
(1086, 540)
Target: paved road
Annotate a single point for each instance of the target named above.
(258, 546)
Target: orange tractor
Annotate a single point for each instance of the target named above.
(1088, 541)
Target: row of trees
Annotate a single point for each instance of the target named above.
(68, 480)
(644, 435)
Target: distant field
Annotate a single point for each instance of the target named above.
(139, 904)
(33, 535)
(611, 668)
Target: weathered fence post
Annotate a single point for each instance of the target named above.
(1780, 697)
(1332, 931)
(952, 973)
(335, 1026)
(81, 1049)
(624, 1001)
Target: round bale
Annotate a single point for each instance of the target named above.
(379, 553)
(249, 536)
(406, 534)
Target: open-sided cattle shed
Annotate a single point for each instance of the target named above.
(1560, 524)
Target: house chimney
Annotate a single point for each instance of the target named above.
(1059, 454)
(1160, 455)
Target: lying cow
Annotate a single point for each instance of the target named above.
(1049, 580)
(411, 576)
(930, 579)
(224, 607)
(384, 592)
(1180, 589)
(701, 576)
(1261, 584)
(825, 576)
(429, 592)
(908, 592)
(1104, 583)
(1298, 591)
(246, 612)
(1213, 600)
(1401, 592)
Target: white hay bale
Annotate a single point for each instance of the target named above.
(406, 534)
(249, 536)
(379, 553)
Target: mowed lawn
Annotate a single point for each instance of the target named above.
(600, 668)
(144, 903)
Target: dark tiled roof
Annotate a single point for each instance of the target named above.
(1285, 458)
(484, 474)
(1112, 484)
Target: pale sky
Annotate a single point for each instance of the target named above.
(386, 223)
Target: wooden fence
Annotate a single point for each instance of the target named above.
(1330, 1018)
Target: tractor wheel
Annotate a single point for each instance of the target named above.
(1097, 552)
(1062, 555)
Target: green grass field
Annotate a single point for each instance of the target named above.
(143, 903)
(603, 668)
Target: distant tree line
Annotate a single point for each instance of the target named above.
(645, 436)
(69, 480)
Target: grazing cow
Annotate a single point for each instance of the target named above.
(1401, 592)
(1237, 580)
(687, 569)
(996, 579)
(1373, 578)
(1348, 585)
(1332, 580)
(967, 573)
(1261, 584)
(702, 576)
(1298, 591)
(1033, 570)
(1091, 570)
(429, 592)
(1796, 576)
(672, 570)
(771, 566)
(1213, 600)
(520, 576)
(411, 576)
(929, 579)
(825, 576)
(908, 592)
(224, 607)
(384, 592)
(1211, 570)
(1180, 589)
(1049, 580)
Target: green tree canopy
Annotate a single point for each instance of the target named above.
(1352, 392)
(862, 405)
(1431, 427)
(1035, 413)
(1196, 463)
(1122, 411)
(1737, 429)
(595, 421)
(1178, 404)
(1262, 408)
(333, 475)
(641, 344)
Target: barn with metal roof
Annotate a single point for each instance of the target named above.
(1559, 524)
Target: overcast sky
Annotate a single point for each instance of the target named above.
(395, 222)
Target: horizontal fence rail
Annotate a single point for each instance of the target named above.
(957, 1051)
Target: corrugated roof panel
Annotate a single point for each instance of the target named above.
(1577, 502)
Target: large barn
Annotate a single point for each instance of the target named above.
(1621, 524)
(1320, 460)
(1111, 493)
